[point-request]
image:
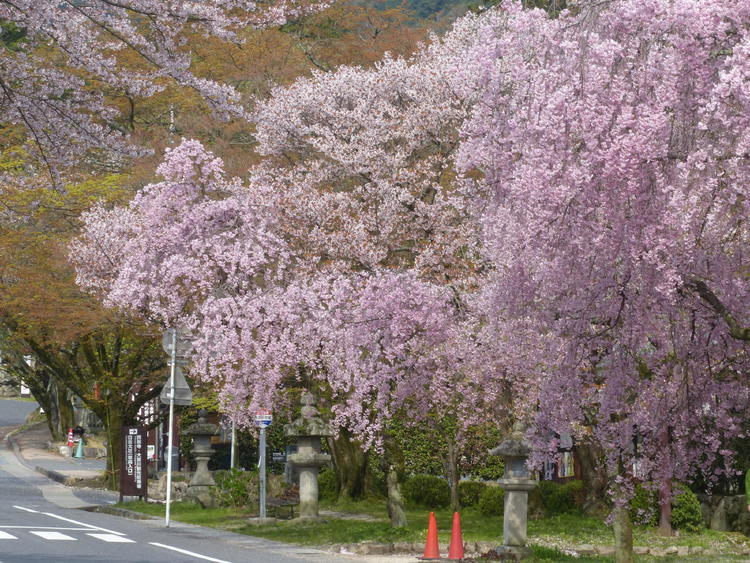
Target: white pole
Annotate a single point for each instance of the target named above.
(262, 467)
(233, 456)
(171, 423)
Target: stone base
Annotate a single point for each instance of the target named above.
(262, 521)
(202, 495)
(512, 552)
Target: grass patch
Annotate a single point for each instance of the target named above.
(549, 537)
(332, 532)
(542, 553)
(190, 513)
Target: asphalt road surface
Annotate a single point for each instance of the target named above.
(13, 413)
(35, 528)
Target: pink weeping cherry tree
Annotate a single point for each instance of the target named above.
(614, 145)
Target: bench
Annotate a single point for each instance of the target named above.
(277, 504)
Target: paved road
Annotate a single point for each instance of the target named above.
(35, 528)
(36, 525)
(14, 412)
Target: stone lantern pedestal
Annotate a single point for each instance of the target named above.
(516, 483)
(200, 486)
(308, 429)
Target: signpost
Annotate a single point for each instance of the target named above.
(233, 451)
(134, 472)
(177, 344)
(263, 419)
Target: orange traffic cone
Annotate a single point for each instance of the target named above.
(431, 549)
(456, 549)
(70, 437)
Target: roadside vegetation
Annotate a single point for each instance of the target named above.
(347, 523)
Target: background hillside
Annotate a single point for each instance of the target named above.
(438, 10)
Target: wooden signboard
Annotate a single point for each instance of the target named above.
(134, 471)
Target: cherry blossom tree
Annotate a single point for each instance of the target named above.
(614, 141)
(262, 309)
(342, 260)
(57, 55)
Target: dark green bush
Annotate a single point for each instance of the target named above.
(686, 509)
(469, 492)
(427, 490)
(235, 487)
(491, 501)
(574, 491)
(327, 484)
(644, 506)
(560, 498)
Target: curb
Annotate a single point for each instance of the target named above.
(16, 449)
(122, 512)
(57, 476)
(49, 473)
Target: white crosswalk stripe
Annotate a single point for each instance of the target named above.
(54, 536)
(111, 538)
(7, 536)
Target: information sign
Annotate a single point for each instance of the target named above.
(263, 417)
(134, 472)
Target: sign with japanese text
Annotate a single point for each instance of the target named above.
(263, 417)
(133, 473)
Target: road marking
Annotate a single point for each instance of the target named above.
(44, 528)
(53, 536)
(186, 552)
(26, 509)
(7, 536)
(89, 526)
(111, 538)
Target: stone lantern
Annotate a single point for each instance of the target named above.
(308, 429)
(516, 483)
(199, 488)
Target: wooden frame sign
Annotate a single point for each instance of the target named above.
(134, 470)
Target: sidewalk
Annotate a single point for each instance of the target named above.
(30, 446)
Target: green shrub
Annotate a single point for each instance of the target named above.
(560, 498)
(235, 487)
(327, 484)
(491, 501)
(686, 509)
(469, 492)
(427, 490)
(574, 491)
(644, 506)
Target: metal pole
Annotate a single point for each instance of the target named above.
(233, 458)
(171, 423)
(262, 466)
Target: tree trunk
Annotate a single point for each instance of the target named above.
(595, 478)
(349, 464)
(452, 473)
(665, 490)
(396, 511)
(665, 507)
(65, 410)
(112, 421)
(623, 535)
(60, 416)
